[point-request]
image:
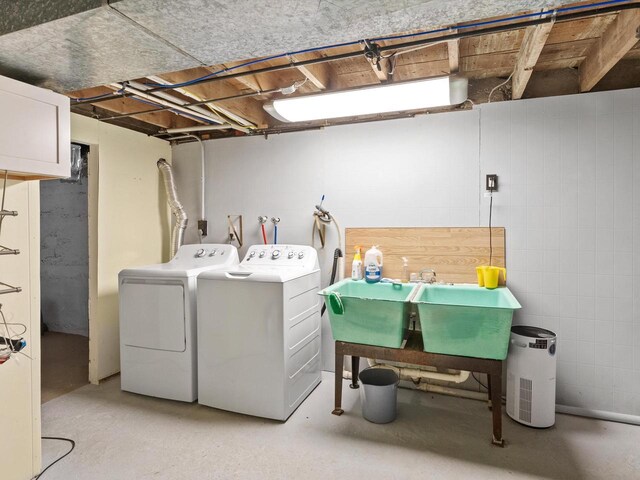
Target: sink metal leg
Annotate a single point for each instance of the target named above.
(339, 366)
(495, 381)
(355, 370)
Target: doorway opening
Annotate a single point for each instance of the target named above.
(64, 275)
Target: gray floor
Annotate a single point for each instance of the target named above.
(65, 364)
(126, 436)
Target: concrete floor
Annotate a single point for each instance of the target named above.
(127, 436)
(65, 364)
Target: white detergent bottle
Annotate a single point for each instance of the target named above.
(373, 265)
(356, 267)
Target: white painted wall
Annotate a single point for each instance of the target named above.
(415, 172)
(20, 376)
(569, 171)
(570, 201)
(128, 224)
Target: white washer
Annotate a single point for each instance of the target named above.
(158, 321)
(259, 332)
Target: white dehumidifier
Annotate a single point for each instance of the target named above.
(531, 376)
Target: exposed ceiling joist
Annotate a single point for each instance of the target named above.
(126, 105)
(247, 108)
(615, 42)
(248, 81)
(523, 48)
(533, 42)
(320, 74)
(453, 49)
(381, 68)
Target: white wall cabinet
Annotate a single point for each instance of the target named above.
(34, 131)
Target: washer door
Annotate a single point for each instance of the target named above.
(152, 314)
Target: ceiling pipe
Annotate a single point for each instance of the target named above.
(179, 101)
(397, 46)
(454, 36)
(203, 102)
(200, 128)
(170, 105)
(216, 109)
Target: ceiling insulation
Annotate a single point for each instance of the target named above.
(75, 49)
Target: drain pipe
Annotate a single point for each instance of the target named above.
(416, 375)
(202, 223)
(453, 392)
(177, 234)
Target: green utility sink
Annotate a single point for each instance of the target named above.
(466, 320)
(369, 313)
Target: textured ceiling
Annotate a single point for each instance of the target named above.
(99, 45)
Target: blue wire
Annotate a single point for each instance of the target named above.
(393, 37)
(377, 39)
(501, 20)
(275, 234)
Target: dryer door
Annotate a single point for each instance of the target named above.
(152, 314)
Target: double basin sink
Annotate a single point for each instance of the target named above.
(459, 319)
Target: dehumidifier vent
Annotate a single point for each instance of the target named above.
(511, 394)
(525, 399)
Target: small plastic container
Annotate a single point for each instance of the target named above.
(379, 394)
(373, 265)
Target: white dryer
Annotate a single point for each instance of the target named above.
(259, 332)
(158, 321)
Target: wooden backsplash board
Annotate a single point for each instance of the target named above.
(454, 253)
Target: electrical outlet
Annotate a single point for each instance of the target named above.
(492, 183)
(202, 226)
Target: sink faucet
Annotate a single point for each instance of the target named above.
(427, 270)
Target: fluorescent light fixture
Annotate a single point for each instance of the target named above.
(397, 97)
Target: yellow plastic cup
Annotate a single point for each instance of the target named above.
(492, 276)
(480, 272)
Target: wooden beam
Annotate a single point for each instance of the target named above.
(615, 42)
(383, 73)
(165, 119)
(320, 74)
(453, 49)
(534, 39)
(247, 81)
(247, 108)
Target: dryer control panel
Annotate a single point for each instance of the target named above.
(204, 252)
(281, 255)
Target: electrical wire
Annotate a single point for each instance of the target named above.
(73, 446)
(490, 231)
(452, 29)
(479, 382)
(498, 86)
(99, 97)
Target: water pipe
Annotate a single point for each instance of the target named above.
(275, 221)
(417, 374)
(262, 220)
(322, 216)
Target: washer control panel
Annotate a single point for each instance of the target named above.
(280, 255)
(204, 253)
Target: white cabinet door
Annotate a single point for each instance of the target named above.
(34, 131)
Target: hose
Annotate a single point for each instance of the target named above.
(177, 234)
(336, 255)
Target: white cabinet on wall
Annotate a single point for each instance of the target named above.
(34, 131)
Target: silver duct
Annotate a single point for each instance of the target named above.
(177, 234)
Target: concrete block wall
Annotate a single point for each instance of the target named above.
(569, 170)
(570, 200)
(65, 256)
